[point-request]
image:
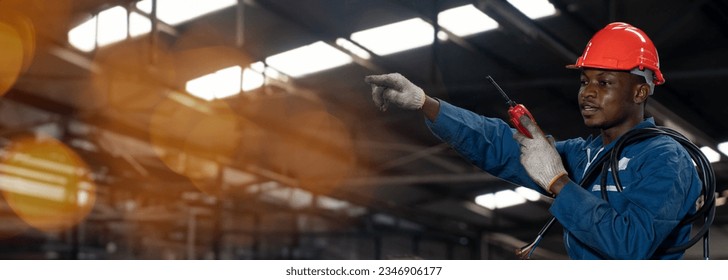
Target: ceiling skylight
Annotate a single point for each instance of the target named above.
(396, 37)
(258, 66)
(252, 79)
(145, 6)
(534, 8)
(501, 199)
(175, 12)
(529, 194)
(465, 20)
(221, 84)
(139, 24)
(723, 148)
(308, 59)
(112, 26)
(83, 36)
(271, 73)
(486, 200)
(353, 48)
(711, 154)
(227, 82)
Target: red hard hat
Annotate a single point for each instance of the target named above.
(621, 46)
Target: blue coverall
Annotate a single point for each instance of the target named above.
(660, 186)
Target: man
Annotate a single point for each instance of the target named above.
(637, 219)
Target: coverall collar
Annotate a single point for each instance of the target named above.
(595, 142)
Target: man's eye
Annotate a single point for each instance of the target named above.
(604, 83)
(583, 82)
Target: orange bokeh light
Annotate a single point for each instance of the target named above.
(194, 143)
(46, 183)
(300, 139)
(26, 32)
(319, 150)
(12, 225)
(11, 57)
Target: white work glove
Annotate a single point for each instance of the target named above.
(396, 89)
(539, 156)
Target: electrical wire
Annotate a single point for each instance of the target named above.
(705, 173)
(527, 250)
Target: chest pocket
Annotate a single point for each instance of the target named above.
(628, 177)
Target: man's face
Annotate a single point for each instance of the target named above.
(606, 98)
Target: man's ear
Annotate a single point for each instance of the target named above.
(641, 93)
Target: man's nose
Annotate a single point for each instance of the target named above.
(587, 91)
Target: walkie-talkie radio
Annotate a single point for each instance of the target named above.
(515, 111)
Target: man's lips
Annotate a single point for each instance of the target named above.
(588, 108)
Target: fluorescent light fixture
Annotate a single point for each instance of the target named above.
(529, 194)
(83, 36)
(465, 20)
(221, 84)
(396, 37)
(308, 59)
(353, 48)
(139, 24)
(723, 148)
(175, 12)
(112, 26)
(711, 154)
(534, 8)
(501, 199)
(252, 79)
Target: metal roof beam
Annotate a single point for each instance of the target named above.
(462, 42)
(509, 16)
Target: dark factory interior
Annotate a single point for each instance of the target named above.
(243, 129)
